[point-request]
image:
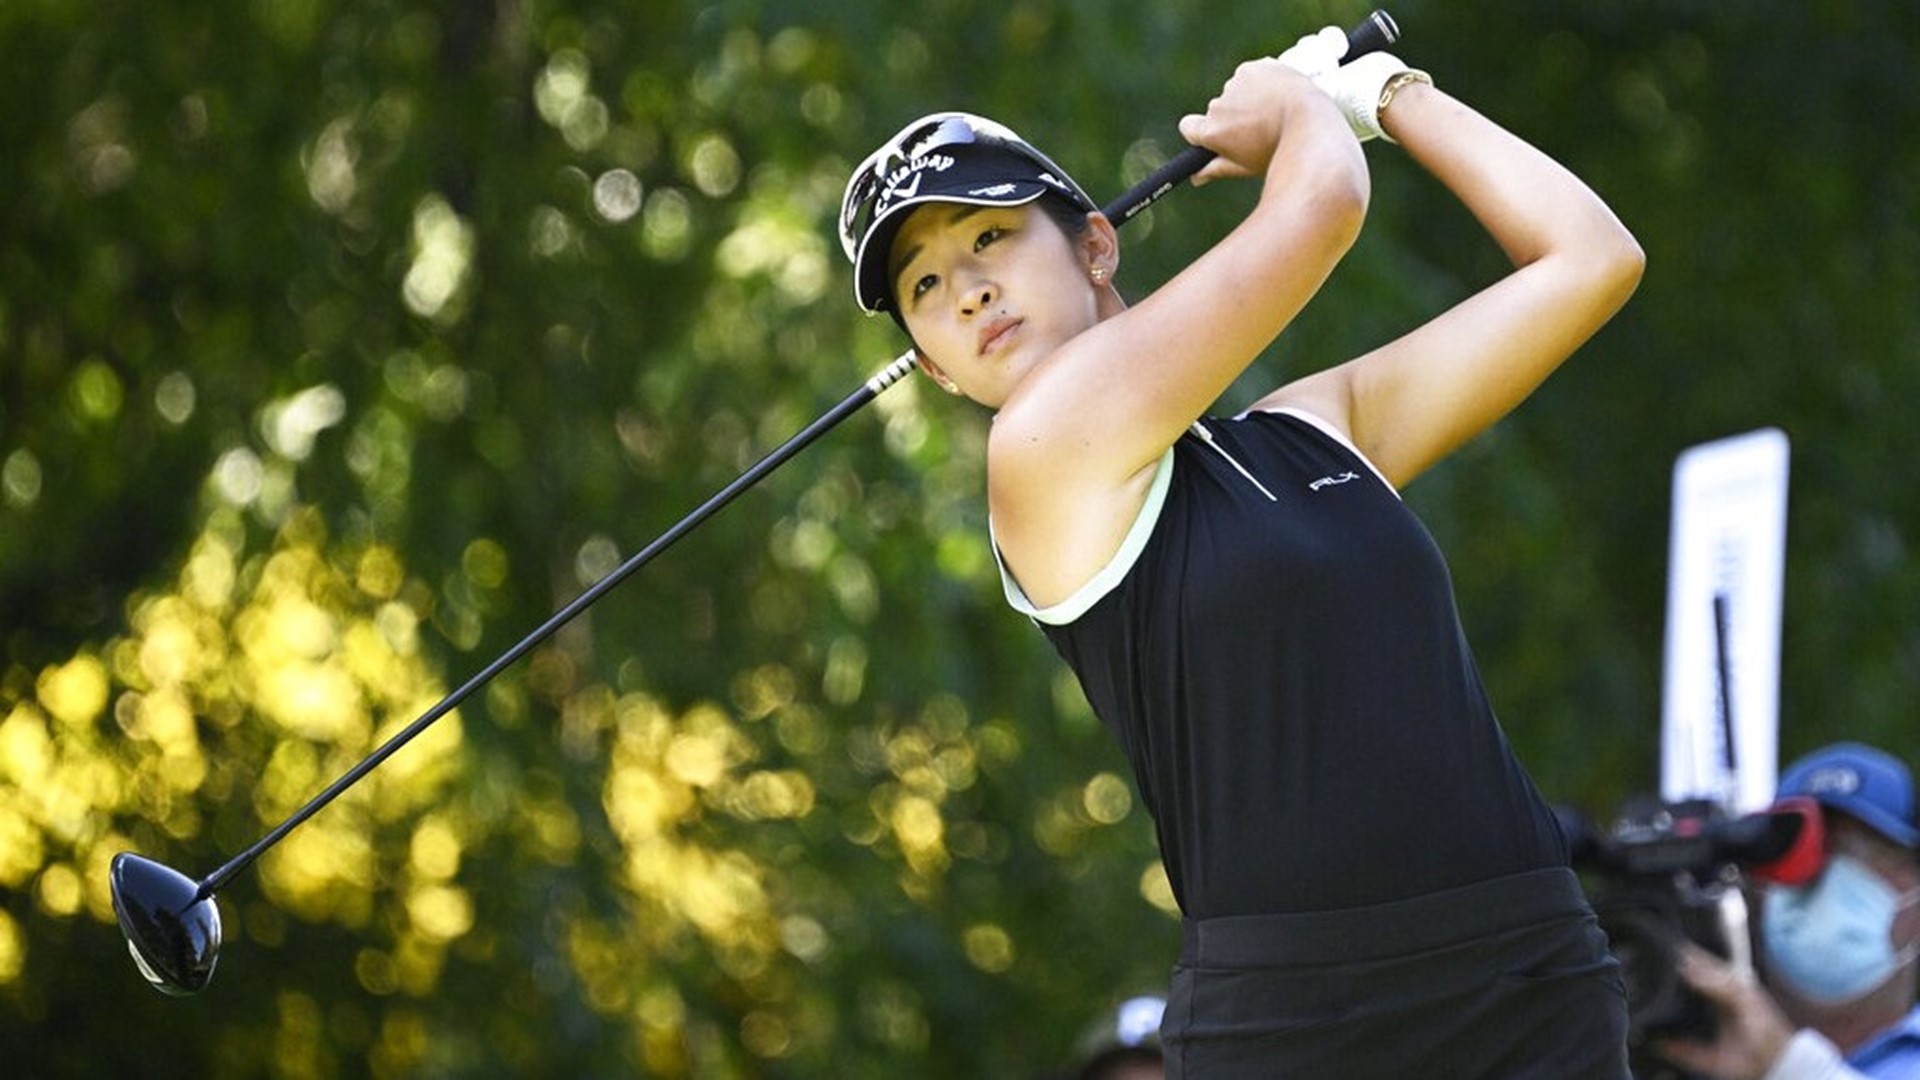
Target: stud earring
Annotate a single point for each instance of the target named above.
(1099, 274)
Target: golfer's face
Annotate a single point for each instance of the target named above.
(987, 292)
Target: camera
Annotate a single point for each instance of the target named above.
(1670, 872)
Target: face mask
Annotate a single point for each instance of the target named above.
(1830, 940)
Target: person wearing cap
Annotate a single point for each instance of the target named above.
(1371, 885)
(1126, 1044)
(1835, 995)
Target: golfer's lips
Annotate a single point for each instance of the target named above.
(995, 333)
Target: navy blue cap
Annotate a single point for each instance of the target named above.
(1861, 781)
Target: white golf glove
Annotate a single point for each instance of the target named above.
(1363, 87)
(1317, 53)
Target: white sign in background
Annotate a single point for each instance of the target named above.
(1725, 574)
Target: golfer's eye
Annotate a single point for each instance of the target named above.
(988, 236)
(924, 284)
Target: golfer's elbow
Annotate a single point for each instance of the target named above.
(1618, 262)
(1343, 198)
(1604, 259)
(1335, 198)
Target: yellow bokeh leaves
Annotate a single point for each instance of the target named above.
(666, 773)
(244, 688)
(989, 947)
(13, 948)
(125, 734)
(74, 693)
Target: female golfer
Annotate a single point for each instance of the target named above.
(1371, 885)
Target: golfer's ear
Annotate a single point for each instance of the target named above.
(1101, 242)
(935, 373)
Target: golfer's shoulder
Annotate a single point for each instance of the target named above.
(1054, 533)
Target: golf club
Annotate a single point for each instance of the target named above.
(171, 922)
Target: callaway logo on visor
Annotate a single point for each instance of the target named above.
(904, 182)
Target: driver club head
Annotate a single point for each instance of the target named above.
(172, 931)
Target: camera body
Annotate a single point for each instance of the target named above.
(1665, 873)
(1662, 879)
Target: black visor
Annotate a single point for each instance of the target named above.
(946, 157)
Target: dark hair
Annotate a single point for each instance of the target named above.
(1071, 218)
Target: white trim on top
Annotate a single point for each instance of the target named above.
(1108, 576)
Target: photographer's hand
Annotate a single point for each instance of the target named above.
(1753, 1032)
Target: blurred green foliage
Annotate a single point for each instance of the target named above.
(342, 343)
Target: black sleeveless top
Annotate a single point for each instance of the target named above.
(1277, 648)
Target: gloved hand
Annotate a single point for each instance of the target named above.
(1358, 88)
(1317, 53)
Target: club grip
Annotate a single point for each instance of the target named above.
(1371, 34)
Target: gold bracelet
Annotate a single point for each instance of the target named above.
(1411, 75)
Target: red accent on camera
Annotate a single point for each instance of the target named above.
(1807, 853)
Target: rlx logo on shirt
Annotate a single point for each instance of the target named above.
(1329, 481)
